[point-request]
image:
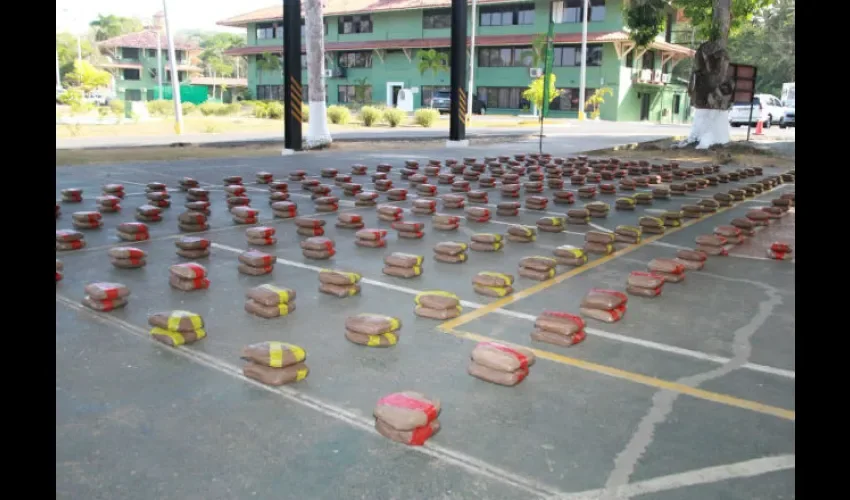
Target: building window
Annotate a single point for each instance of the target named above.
(348, 94)
(502, 97)
(133, 95)
(269, 92)
(668, 29)
(573, 11)
(181, 75)
(568, 100)
(130, 74)
(507, 15)
(266, 31)
(427, 92)
(570, 55)
(648, 61)
(304, 30)
(630, 59)
(498, 57)
(667, 67)
(355, 24)
(597, 11)
(361, 59)
(435, 19)
(150, 52)
(594, 55)
(152, 73)
(129, 53)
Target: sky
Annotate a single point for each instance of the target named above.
(75, 15)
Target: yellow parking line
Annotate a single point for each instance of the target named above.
(643, 379)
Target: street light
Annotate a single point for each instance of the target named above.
(583, 73)
(175, 76)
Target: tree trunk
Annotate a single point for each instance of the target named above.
(318, 133)
(711, 88)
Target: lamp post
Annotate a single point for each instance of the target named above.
(583, 73)
(175, 76)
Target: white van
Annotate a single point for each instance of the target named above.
(766, 108)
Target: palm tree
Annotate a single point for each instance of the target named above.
(431, 60)
(110, 26)
(318, 133)
(537, 54)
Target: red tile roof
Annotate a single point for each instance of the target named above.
(146, 40)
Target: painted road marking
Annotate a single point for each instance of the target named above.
(528, 292)
(643, 379)
(452, 457)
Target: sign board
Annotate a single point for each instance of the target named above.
(743, 81)
(414, 90)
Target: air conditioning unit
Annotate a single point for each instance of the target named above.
(665, 78)
(329, 73)
(535, 72)
(656, 75)
(645, 75)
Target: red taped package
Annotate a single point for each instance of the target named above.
(604, 305)
(559, 328)
(407, 417)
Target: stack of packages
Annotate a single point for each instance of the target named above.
(426, 190)
(661, 192)
(403, 265)
(522, 234)
(366, 199)
(269, 301)
(599, 242)
(708, 206)
(563, 197)
(578, 216)
(157, 195)
(327, 204)
(780, 251)
(747, 227)
(678, 189)
(492, 284)
(669, 269)
(536, 202)
(445, 179)
(278, 191)
(568, 255)
(723, 178)
(187, 183)
(384, 167)
(255, 263)
(232, 179)
(105, 297)
(191, 247)
(127, 257)
(188, 277)
(116, 190)
(598, 209)
(627, 234)
(148, 213)
(284, 209)
(274, 363)
(450, 252)
(59, 268)
(773, 212)
(587, 192)
(453, 201)
(477, 197)
(176, 328)
(389, 213)
(133, 231)
(383, 185)
(604, 305)
(692, 211)
(409, 230)
(651, 225)
(627, 184)
(507, 208)
(736, 194)
(349, 221)
(318, 248)
(559, 328)
(577, 180)
(424, 207)
(759, 217)
(397, 194)
(509, 190)
(87, 220)
(442, 222)
(644, 284)
(607, 188)
(372, 330)
(108, 204)
(72, 195)
(780, 203)
(339, 283)
(359, 169)
(192, 222)
(486, 242)
(551, 224)
(264, 177)
(672, 218)
(537, 268)
(329, 173)
(261, 235)
(643, 198)
(407, 417)
(371, 238)
(500, 364)
(341, 180)
(489, 182)
(437, 305)
(692, 260)
(731, 233)
(237, 201)
(712, 244)
(67, 239)
(625, 203)
(297, 175)
(478, 214)
(244, 214)
(309, 227)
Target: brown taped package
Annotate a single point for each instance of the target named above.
(87, 225)
(189, 270)
(129, 263)
(407, 410)
(339, 291)
(268, 312)
(486, 247)
(500, 377)
(261, 242)
(365, 203)
(260, 232)
(535, 274)
(318, 254)
(380, 243)
(437, 300)
(244, 212)
(690, 265)
(599, 237)
(191, 217)
(103, 305)
(538, 263)
(603, 299)
(402, 272)
(192, 243)
(641, 279)
(450, 248)
(667, 266)
(692, 255)
(107, 200)
(103, 290)
(523, 238)
(270, 295)
(70, 245)
(599, 248)
(158, 196)
(387, 339)
(451, 259)
(244, 220)
(406, 260)
(317, 243)
(606, 316)
(492, 291)
(441, 314)
(486, 238)
(415, 235)
(310, 231)
(342, 278)
(193, 228)
(712, 250)
(277, 196)
(711, 240)
(501, 357)
(624, 204)
(188, 284)
(198, 253)
(108, 209)
(414, 437)
(148, 210)
(275, 376)
(558, 339)
(132, 236)
(492, 279)
(372, 324)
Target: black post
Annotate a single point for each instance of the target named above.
(292, 74)
(457, 55)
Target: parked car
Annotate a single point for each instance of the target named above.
(787, 119)
(98, 98)
(441, 101)
(766, 108)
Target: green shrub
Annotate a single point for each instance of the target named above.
(426, 117)
(305, 113)
(160, 107)
(188, 107)
(103, 112)
(261, 110)
(339, 115)
(71, 96)
(394, 116)
(275, 110)
(210, 108)
(117, 107)
(230, 109)
(370, 115)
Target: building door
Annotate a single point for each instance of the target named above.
(644, 106)
(392, 93)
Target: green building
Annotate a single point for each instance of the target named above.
(379, 39)
(132, 60)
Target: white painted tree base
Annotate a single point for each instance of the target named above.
(318, 133)
(710, 127)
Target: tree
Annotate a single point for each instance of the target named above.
(534, 93)
(769, 44)
(318, 133)
(598, 98)
(537, 52)
(710, 88)
(213, 46)
(66, 48)
(267, 62)
(433, 61)
(86, 77)
(110, 26)
(361, 85)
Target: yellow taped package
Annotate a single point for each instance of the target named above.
(389, 337)
(627, 201)
(276, 350)
(178, 316)
(352, 277)
(282, 293)
(438, 293)
(555, 221)
(509, 280)
(395, 324)
(174, 339)
(498, 291)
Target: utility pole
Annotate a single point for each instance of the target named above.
(159, 61)
(175, 80)
(469, 92)
(583, 73)
(58, 75)
(457, 60)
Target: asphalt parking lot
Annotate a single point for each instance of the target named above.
(689, 396)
